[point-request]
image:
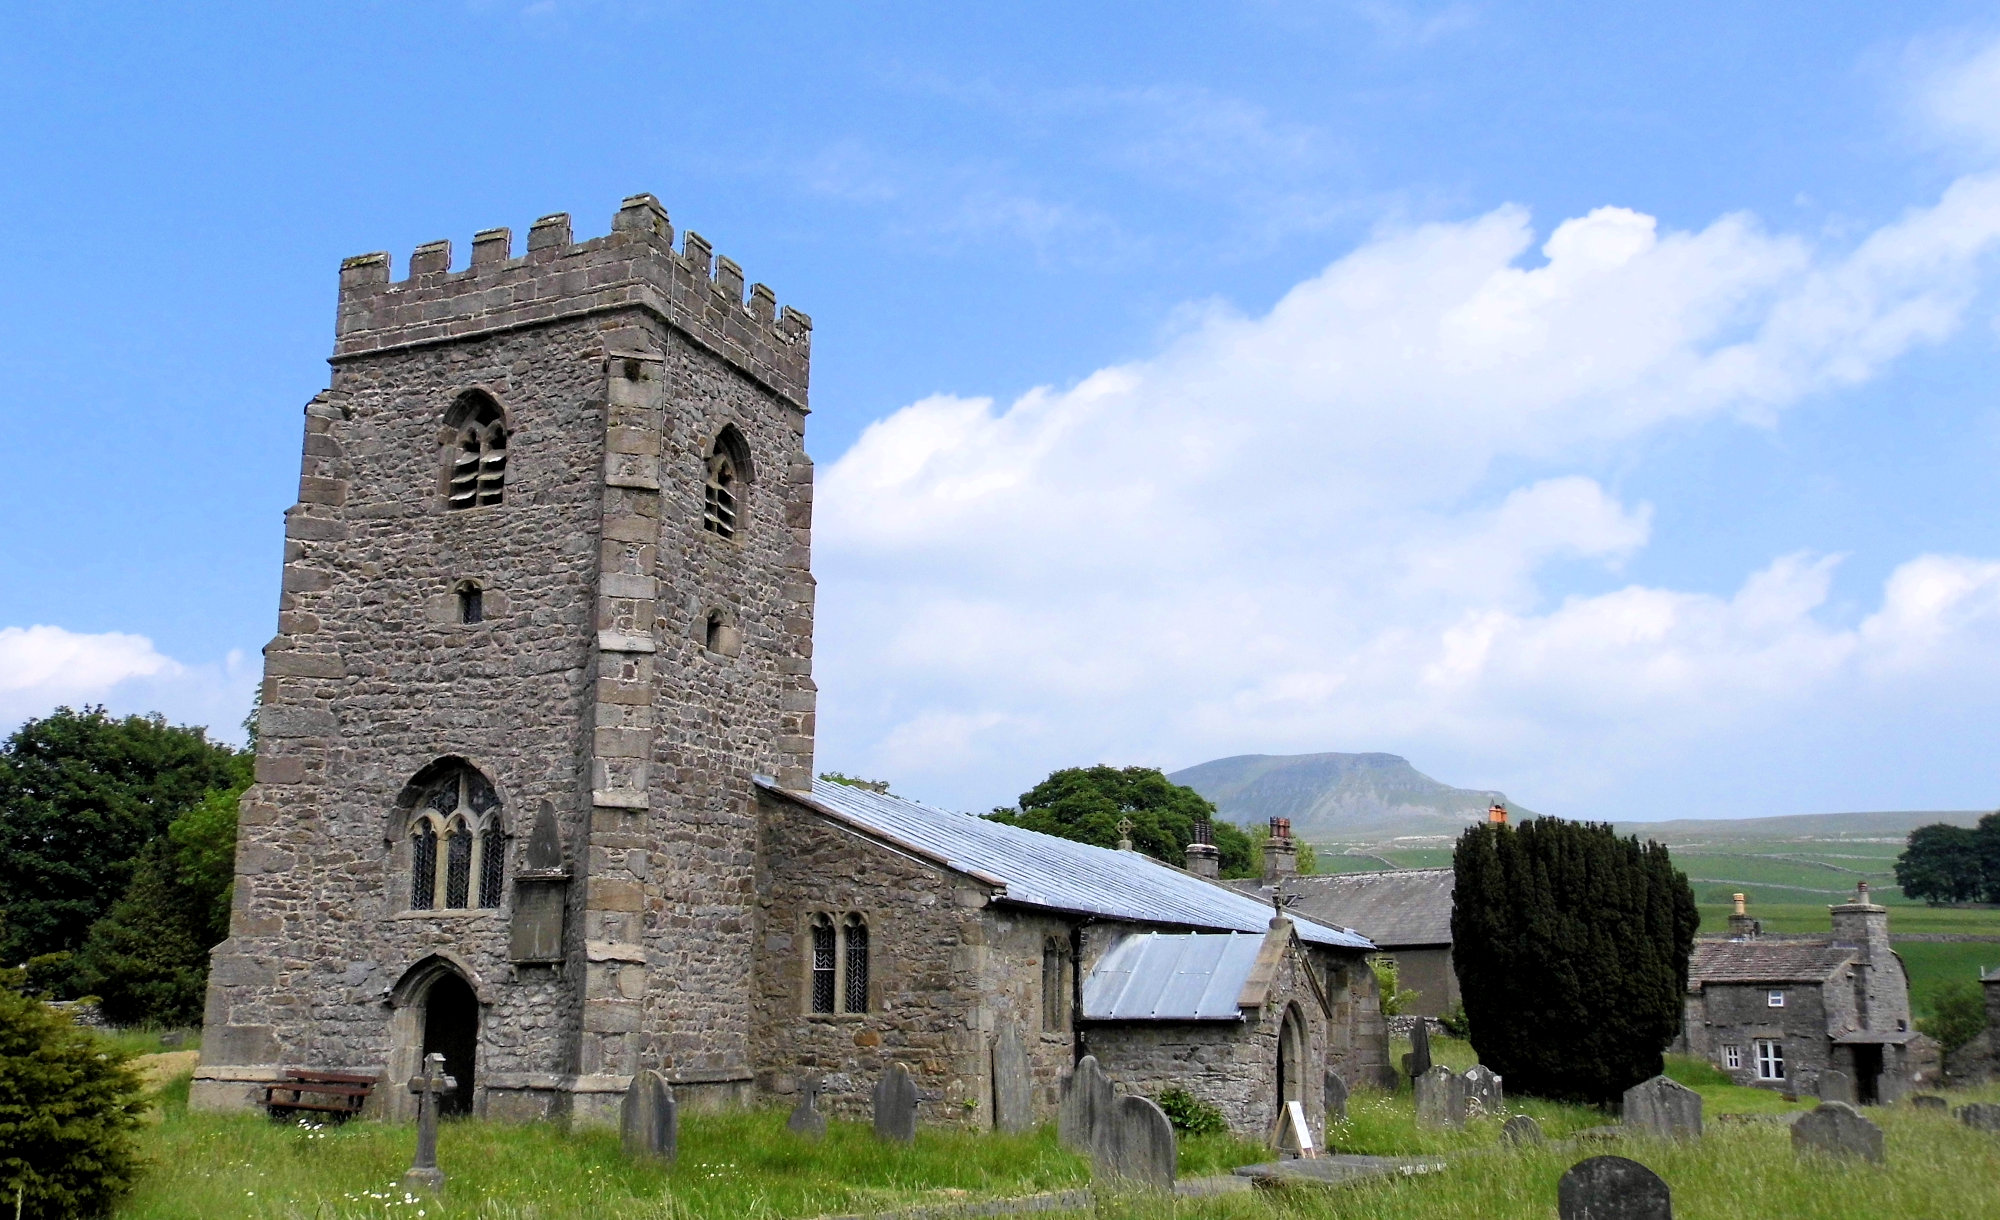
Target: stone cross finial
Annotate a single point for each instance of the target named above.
(1125, 828)
(424, 1173)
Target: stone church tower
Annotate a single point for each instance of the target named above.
(546, 614)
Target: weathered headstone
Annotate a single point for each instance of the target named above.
(1612, 1188)
(1440, 1098)
(1980, 1115)
(1135, 1143)
(650, 1121)
(1521, 1129)
(424, 1173)
(1418, 1061)
(1333, 1091)
(1837, 1129)
(1087, 1097)
(1663, 1107)
(806, 1119)
(1836, 1086)
(1929, 1101)
(1483, 1095)
(1013, 1097)
(896, 1105)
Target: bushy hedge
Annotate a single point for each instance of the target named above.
(68, 1111)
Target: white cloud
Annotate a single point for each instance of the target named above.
(1291, 531)
(43, 667)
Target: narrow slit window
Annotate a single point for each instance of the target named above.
(471, 604)
(492, 865)
(1052, 986)
(822, 964)
(423, 866)
(855, 998)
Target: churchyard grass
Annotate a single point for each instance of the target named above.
(146, 1040)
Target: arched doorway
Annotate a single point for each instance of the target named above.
(451, 1029)
(1291, 1059)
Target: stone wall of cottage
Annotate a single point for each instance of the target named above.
(1739, 1014)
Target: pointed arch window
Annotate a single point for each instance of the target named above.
(476, 460)
(728, 475)
(459, 813)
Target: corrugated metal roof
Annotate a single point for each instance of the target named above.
(1041, 870)
(1765, 961)
(1397, 909)
(1188, 976)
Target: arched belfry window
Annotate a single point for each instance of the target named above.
(458, 849)
(476, 462)
(728, 477)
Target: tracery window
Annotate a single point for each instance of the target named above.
(461, 812)
(728, 474)
(837, 968)
(477, 463)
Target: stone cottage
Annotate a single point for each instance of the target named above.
(534, 771)
(1775, 1012)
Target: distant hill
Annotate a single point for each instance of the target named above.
(1330, 796)
(1886, 825)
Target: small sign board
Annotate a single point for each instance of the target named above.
(1296, 1113)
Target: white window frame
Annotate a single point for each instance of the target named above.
(1732, 1058)
(1774, 999)
(1770, 1059)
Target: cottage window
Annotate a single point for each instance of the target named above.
(1774, 999)
(459, 812)
(1732, 1057)
(476, 460)
(1770, 1060)
(838, 967)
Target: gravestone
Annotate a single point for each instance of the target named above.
(1418, 1061)
(1664, 1108)
(650, 1122)
(1929, 1101)
(1013, 1099)
(1483, 1094)
(1440, 1098)
(1135, 1143)
(1521, 1129)
(424, 1173)
(1836, 1086)
(896, 1105)
(1388, 1078)
(1837, 1129)
(1334, 1093)
(1087, 1097)
(1612, 1188)
(1980, 1116)
(173, 1037)
(806, 1119)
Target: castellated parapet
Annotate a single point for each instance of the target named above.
(549, 574)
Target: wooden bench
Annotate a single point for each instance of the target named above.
(340, 1094)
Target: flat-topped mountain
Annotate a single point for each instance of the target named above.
(1331, 796)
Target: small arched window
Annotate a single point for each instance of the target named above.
(460, 812)
(728, 473)
(476, 462)
(854, 945)
(837, 968)
(825, 956)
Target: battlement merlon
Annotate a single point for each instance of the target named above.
(557, 279)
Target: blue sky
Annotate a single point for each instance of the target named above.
(1596, 402)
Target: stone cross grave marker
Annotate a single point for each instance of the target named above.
(1440, 1098)
(1135, 1143)
(806, 1119)
(1483, 1094)
(1837, 1129)
(1663, 1107)
(896, 1105)
(1836, 1086)
(1521, 1129)
(1334, 1091)
(1087, 1098)
(1418, 1061)
(1013, 1097)
(1612, 1188)
(650, 1119)
(1929, 1101)
(1980, 1116)
(424, 1173)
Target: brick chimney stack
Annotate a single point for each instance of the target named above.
(1203, 859)
(1281, 853)
(1496, 813)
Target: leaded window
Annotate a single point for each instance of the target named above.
(460, 811)
(824, 954)
(854, 997)
(492, 864)
(423, 865)
(458, 865)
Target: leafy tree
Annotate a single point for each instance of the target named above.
(1958, 1014)
(1986, 840)
(1941, 863)
(68, 1110)
(1087, 803)
(80, 794)
(855, 781)
(1572, 952)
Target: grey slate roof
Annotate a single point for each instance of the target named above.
(1398, 909)
(1034, 869)
(1189, 976)
(1765, 961)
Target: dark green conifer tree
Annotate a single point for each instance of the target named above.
(1571, 946)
